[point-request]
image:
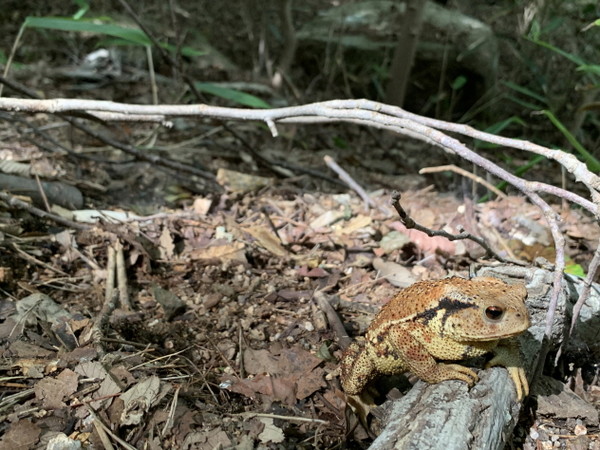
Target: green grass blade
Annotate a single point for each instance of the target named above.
(573, 58)
(592, 163)
(524, 104)
(590, 68)
(133, 35)
(497, 128)
(231, 94)
(525, 91)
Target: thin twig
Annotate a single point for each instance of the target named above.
(97, 330)
(345, 176)
(334, 319)
(33, 259)
(42, 192)
(249, 415)
(410, 223)
(464, 173)
(107, 430)
(171, 417)
(110, 272)
(20, 204)
(587, 285)
(122, 278)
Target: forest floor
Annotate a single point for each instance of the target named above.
(222, 343)
(173, 317)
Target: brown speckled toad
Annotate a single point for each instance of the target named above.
(449, 319)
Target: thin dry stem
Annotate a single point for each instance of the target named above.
(467, 174)
(346, 178)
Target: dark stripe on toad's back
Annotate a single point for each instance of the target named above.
(449, 306)
(453, 306)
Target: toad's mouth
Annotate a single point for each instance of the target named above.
(496, 336)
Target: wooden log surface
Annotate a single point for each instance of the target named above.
(450, 416)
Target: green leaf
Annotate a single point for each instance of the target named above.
(497, 128)
(231, 94)
(592, 163)
(324, 352)
(575, 269)
(524, 104)
(573, 58)
(133, 35)
(459, 82)
(340, 142)
(185, 51)
(590, 68)
(525, 91)
(84, 7)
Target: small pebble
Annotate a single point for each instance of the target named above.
(533, 434)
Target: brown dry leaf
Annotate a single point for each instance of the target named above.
(25, 350)
(228, 252)
(353, 225)
(292, 295)
(52, 391)
(6, 274)
(579, 226)
(241, 182)
(108, 387)
(555, 399)
(260, 361)
(266, 239)
(138, 400)
(393, 240)
(280, 389)
(310, 382)
(394, 273)
(166, 245)
(32, 368)
(295, 364)
(270, 433)
(201, 205)
(424, 216)
(91, 369)
(79, 354)
(21, 435)
(297, 361)
(207, 440)
(326, 219)
(317, 272)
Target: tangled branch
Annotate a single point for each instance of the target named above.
(369, 113)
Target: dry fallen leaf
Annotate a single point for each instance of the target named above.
(52, 391)
(394, 273)
(266, 239)
(271, 433)
(166, 244)
(241, 182)
(229, 252)
(138, 400)
(353, 225)
(20, 435)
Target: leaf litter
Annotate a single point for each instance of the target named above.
(226, 346)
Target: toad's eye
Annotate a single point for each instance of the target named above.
(494, 313)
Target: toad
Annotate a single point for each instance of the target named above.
(445, 320)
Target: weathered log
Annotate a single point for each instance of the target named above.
(450, 416)
(447, 34)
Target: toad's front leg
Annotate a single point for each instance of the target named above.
(419, 361)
